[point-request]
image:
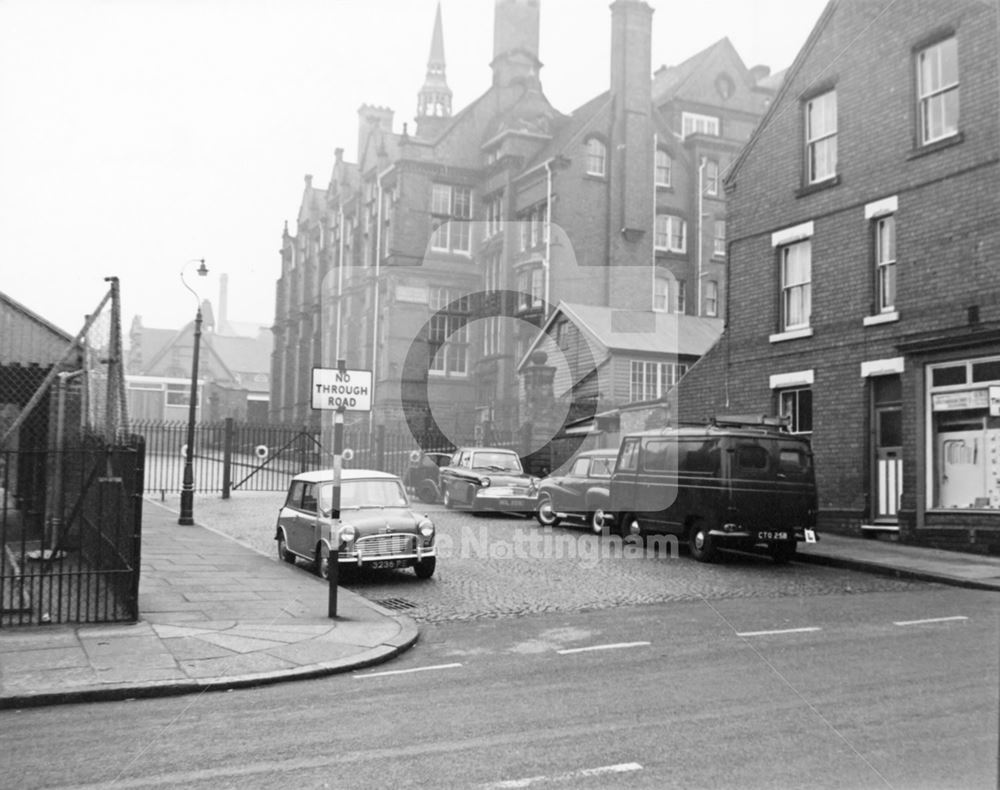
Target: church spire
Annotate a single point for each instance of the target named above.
(434, 100)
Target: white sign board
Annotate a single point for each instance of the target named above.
(347, 389)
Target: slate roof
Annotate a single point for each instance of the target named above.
(638, 331)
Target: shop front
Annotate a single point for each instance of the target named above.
(963, 447)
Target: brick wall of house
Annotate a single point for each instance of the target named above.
(948, 243)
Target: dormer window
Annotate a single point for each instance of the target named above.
(597, 155)
(693, 123)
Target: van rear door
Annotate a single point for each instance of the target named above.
(756, 500)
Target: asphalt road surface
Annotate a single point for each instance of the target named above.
(843, 690)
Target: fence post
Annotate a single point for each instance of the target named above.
(380, 448)
(227, 458)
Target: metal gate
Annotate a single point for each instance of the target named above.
(70, 528)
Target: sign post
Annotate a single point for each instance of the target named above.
(339, 390)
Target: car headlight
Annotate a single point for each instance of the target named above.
(426, 528)
(485, 482)
(348, 534)
(534, 483)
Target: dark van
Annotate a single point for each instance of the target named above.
(737, 483)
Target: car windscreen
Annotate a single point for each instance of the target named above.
(356, 494)
(502, 462)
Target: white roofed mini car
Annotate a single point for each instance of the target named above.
(376, 529)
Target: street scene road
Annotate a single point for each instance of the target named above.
(497, 566)
(844, 690)
(541, 663)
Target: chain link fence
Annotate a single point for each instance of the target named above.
(63, 419)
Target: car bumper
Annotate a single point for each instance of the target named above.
(755, 536)
(502, 501)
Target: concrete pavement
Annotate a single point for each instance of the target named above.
(214, 615)
(912, 562)
(217, 615)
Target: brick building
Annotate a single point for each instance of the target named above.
(864, 237)
(233, 368)
(437, 257)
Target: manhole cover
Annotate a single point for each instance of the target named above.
(396, 603)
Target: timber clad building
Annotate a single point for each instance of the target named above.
(436, 258)
(864, 259)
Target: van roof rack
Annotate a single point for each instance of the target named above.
(780, 423)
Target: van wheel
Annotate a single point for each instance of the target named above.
(782, 553)
(700, 542)
(621, 528)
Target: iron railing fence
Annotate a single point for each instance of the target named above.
(235, 456)
(70, 531)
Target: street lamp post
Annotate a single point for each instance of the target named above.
(187, 485)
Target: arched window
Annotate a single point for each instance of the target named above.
(664, 166)
(597, 154)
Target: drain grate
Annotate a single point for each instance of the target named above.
(399, 604)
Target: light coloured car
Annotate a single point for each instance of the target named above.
(485, 479)
(376, 529)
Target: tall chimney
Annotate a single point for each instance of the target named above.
(515, 42)
(631, 145)
(223, 299)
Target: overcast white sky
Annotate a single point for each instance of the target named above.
(136, 135)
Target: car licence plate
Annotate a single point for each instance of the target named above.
(385, 564)
(772, 536)
(510, 503)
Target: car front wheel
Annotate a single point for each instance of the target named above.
(425, 568)
(545, 513)
(597, 521)
(323, 561)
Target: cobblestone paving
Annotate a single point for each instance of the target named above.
(503, 566)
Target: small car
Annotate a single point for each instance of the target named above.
(422, 477)
(488, 479)
(582, 494)
(376, 528)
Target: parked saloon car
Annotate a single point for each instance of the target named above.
(377, 528)
(488, 479)
(582, 494)
(422, 476)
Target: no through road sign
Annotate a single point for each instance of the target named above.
(350, 390)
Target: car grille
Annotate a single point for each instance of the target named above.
(386, 545)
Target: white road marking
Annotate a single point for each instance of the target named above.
(782, 631)
(617, 646)
(931, 620)
(406, 671)
(621, 768)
